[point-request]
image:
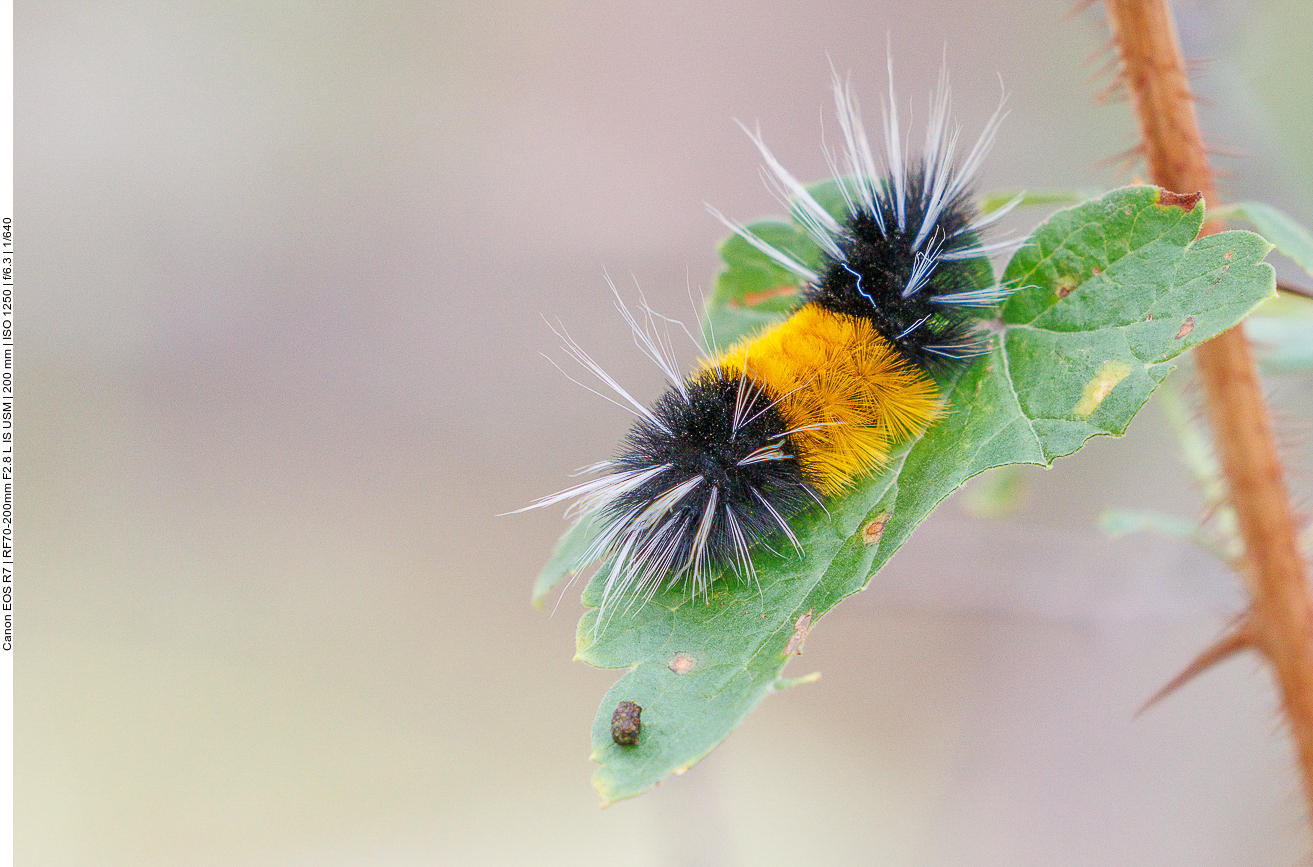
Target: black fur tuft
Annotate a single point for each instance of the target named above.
(701, 439)
(928, 333)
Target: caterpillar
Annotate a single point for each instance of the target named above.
(783, 419)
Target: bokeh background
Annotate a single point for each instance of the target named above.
(285, 271)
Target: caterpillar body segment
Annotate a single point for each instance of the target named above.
(803, 410)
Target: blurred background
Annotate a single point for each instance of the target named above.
(284, 273)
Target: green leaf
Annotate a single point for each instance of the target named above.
(996, 199)
(566, 558)
(1282, 345)
(754, 290)
(997, 493)
(1108, 292)
(1124, 522)
(1290, 238)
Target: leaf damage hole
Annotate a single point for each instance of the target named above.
(801, 627)
(625, 724)
(682, 663)
(1186, 327)
(874, 531)
(1098, 388)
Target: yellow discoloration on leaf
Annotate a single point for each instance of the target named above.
(1098, 388)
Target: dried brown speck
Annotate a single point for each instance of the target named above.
(1186, 202)
(682, 663)
(801, 627)
(625, 724)
(1148, 317)
(1186, 327)
(1227, 255)
(873, 531)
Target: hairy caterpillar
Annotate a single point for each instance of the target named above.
(802, 410)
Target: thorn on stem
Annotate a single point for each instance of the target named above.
(1077, 8)
(1219, 151)
(1102, 50)
(1196, 66)
(1111, 65)
(1116, 91)
(1238, 639)
(1124, 159)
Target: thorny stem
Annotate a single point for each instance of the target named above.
(1280, 621)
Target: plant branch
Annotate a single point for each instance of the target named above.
(1292, 289)
(1281, 616)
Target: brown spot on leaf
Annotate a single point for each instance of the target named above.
(682, 663)
(801, 627)
(625, 724)
(1185, 202)
(873, 531)
(1186, 327)
(1227, 255)
(1065, 285)
(1148, 317)
(752, 299)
